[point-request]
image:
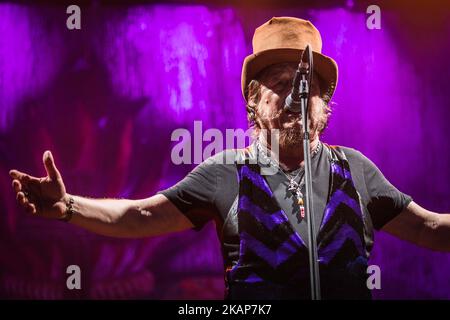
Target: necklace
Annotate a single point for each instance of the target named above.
(294, 187)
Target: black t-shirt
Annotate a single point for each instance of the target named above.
(209, 191)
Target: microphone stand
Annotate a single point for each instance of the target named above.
(305, 86)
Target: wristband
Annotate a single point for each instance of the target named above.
(69, 211)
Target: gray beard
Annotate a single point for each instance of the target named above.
(290, 139)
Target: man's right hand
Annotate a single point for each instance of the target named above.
(122, 218)
(44, 196)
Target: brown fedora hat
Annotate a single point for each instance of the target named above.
(283, 39)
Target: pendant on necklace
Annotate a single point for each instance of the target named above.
(301, 204)
(295, 189)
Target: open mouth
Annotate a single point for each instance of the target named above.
(291, 117)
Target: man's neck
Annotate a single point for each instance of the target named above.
(291, 162)
(291, 158)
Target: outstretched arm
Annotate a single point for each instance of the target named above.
(47, 197)
(422, 227)
(129, 218)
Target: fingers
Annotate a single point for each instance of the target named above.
(23, 178)
(50, 166)
(16, 174)
(31, 208)
(21, 199)
(23, 184)
(25, 203)
(16, 186)
(28, 193)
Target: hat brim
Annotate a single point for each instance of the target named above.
(324, 66)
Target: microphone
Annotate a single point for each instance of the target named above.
(300, 86)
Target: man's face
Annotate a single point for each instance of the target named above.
(276, 84)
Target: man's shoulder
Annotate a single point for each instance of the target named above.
(228, 157)
(351, 154)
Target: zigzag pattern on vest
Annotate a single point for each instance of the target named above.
(270, 248)
(337, 230)
(271, 251)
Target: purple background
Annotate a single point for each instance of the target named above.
(106, 98)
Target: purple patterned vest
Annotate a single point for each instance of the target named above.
(273, 258)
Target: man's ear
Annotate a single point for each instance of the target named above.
(254, 95)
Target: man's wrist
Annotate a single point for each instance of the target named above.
(68, 201)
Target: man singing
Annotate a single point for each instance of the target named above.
(260, 218)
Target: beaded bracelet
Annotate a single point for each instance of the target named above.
(69, 211)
